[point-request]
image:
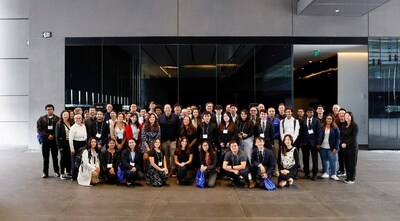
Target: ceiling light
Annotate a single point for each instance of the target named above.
(310, 62)
(302, 68)
(337, 10)
(318, 73)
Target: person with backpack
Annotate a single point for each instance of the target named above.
(289, 125)
(89, 168)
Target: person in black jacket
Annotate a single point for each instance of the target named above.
(109, 161)
(208, 163)
(246, 130)
(262, 163)
(131, 163)
(207, 131)
(265, 130)
(349, 144)
(46, 127)
(100, 129)
(62, 136)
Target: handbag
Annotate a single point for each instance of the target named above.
(200, 179)
(269, 185)
(121, 174)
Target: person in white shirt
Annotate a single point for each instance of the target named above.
(77, 140)
(289, 125)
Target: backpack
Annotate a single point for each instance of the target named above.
(283, 125)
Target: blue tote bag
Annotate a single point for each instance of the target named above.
(269, 185)
(200, 180)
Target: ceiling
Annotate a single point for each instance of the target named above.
(303, 54)
(337, 7)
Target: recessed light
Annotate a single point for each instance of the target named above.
(320, 61)
(309, 61)
(337, 10)
(302, 68)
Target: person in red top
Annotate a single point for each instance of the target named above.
(133, 128)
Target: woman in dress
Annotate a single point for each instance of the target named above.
(150, 131)
(158, 174)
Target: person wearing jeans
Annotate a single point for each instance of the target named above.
(329, 147)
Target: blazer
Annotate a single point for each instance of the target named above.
(349, 135)
(126, 160)
(268, 160)
(334, 137)
(315, 138)
(268, 133)
(211, 130)
(61, 137)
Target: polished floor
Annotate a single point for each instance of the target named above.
(25, 196)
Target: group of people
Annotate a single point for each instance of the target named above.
(164, 141)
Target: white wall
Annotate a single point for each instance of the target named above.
(353, 89)
(14, 72)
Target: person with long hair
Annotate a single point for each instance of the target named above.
(288, 160)
(150, 131)
(133, 128)
(89, 169)
(131, 163)
(183, 160)
(118, 131)
(62, 138)
(109, 162)
(187, 130)
(158, 174)
(227, 131)
(208, 163)
(329, 147)
(196, 118)
(349, 144)
(245, 135)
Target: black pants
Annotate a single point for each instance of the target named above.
(65, 158)
(133, 176)
(255, 173)
(77, 145)
(292, 174)
(341, 160)
(184, 174)
(350, 161)
(47, 147)
(306, 159)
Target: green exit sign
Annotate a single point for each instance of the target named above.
(316, 53)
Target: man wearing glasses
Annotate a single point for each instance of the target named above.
(46, 126)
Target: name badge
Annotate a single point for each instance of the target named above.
(109, 165)
(132, 164)
(50, 127)
(225, 131)
(159, 164)
(310, 131)
(262, 135)
(98, 135)
(205, 136)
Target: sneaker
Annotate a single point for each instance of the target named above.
(341, 174)
(334, 177)
(68, 175)
(44, 176)
(349, 181)
(63, 177)
(325, 176)
(56, 175)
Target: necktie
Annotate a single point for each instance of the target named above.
(309, 123)
(263, 126)
(260, 156)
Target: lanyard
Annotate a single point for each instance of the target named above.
(208, 125)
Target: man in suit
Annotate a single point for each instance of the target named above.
(217, 118)
(208, 130)
(311, 142)
(265, 130)
(262, 163)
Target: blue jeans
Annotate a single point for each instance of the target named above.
(328, 161)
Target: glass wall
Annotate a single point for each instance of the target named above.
(384, 100)
(189, 72)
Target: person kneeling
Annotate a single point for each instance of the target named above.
(288, 162)
(131, 163)
(183, 159)
(90, 167)
(235, 164)
(157, 175)
(262, 163)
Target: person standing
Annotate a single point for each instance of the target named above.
(77, 140)
(169, 125)
(46, 127)
(276, 123)
(289, 125)
(311, 143)
(320, 113)
(265, 130)
(349, 144)
(329, 147)
(342, 123)
(62, 138)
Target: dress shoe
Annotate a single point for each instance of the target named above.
(314, 178)
(252, 184)
(306, 176)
